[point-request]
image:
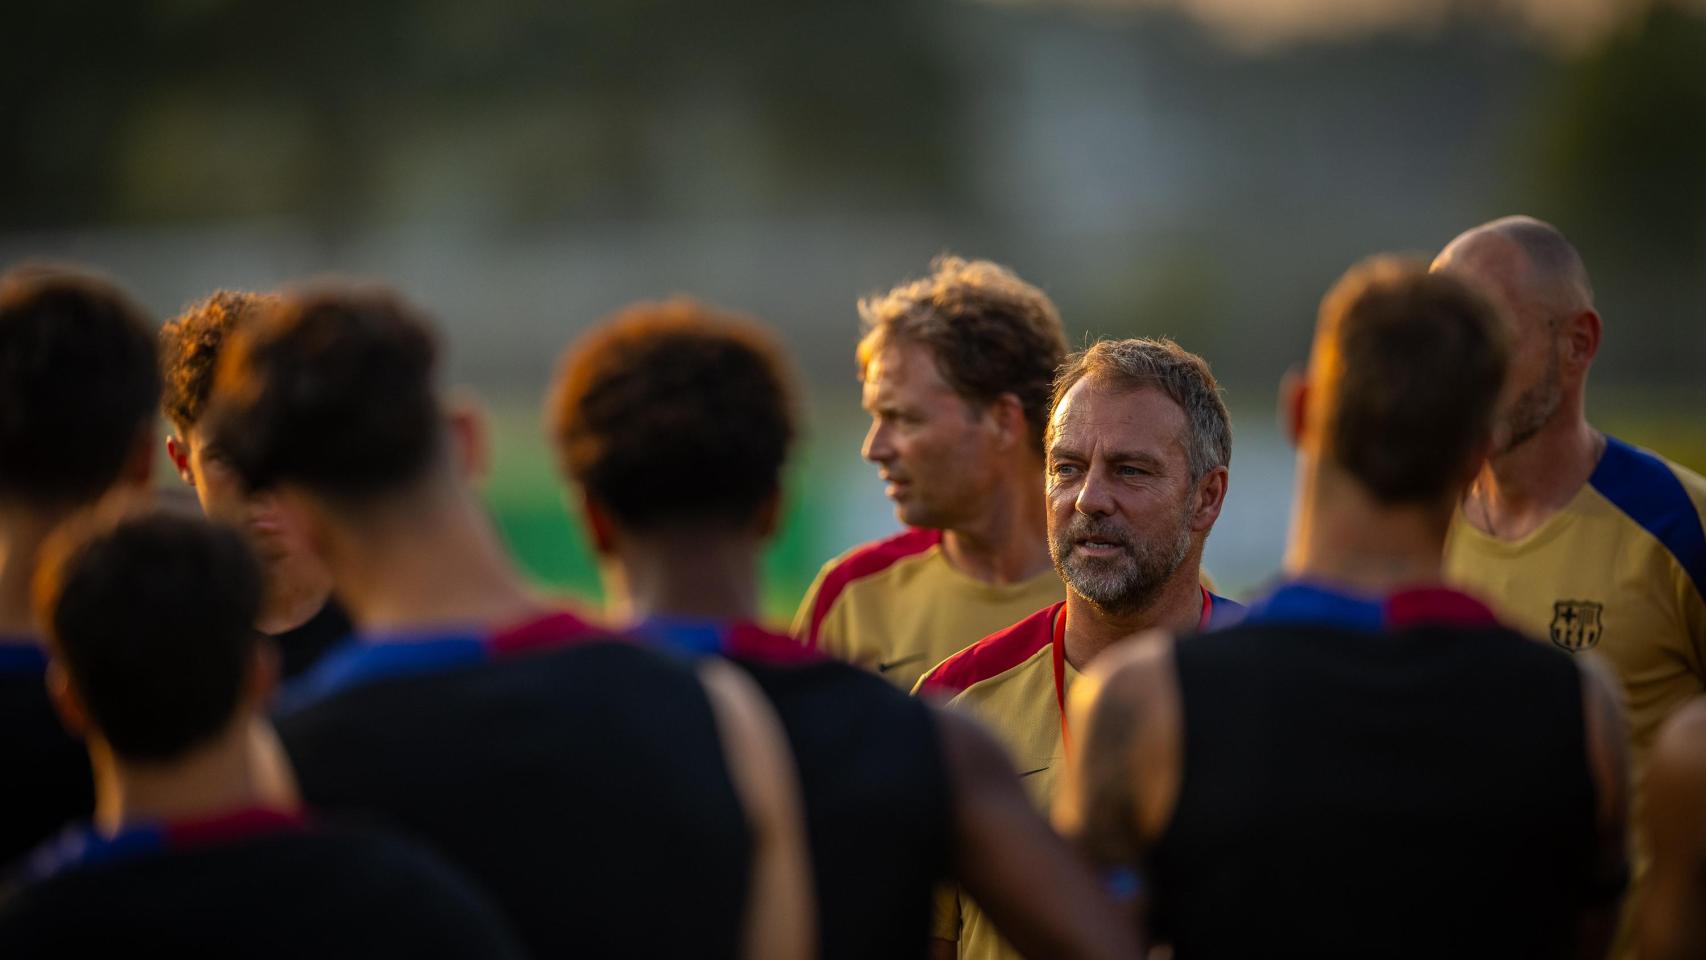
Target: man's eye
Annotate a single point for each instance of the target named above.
(1065, 470)
(1131, 471)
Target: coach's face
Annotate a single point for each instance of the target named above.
(1120, 496)
(938, 453)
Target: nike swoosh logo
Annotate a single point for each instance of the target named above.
(886, 666)
(1029, 772)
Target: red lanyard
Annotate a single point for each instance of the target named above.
(1059, 655)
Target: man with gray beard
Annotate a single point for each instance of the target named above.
(1137, 447)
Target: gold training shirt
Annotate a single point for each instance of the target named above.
(1015, 681)
(897, 606)
(1620, 571)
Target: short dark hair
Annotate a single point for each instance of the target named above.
(1181, 375)
(333, 389)
(152, 618)
(190, 344)
(990, 332)
(79, 383)
(1416, 362)
(663, 393)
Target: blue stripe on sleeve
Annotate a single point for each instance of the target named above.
(1643, 487)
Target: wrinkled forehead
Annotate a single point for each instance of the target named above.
(1099, 413)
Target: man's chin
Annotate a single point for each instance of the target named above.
(914, 514)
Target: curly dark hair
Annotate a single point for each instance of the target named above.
(190, 344)
(333, 389)
(674, 412)
(79, 383)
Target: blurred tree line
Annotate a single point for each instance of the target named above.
(529, 113)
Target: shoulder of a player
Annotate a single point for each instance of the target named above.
(992, 656)
(859, 563)
(1663, 498)
(868, 559)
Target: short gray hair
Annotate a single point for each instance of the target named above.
(1181, 375)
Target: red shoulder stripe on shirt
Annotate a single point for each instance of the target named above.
(756, 643)
(554, 629)
(995, 654)
(870, 559)
(232, 825)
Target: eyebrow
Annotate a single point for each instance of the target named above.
(1116, 456)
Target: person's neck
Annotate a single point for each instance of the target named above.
(297, 589)
(1341, 536)
(243, 767)
(23, 530)
(706, 577)
(1176, 608)
(435, 563)
(1007, 542)
(1520, 489)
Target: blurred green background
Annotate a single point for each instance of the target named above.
(1183, 167)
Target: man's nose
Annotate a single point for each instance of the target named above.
(877, 447)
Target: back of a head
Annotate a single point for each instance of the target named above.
(990, 332)
(674, 413)
(331, 389)
(1407, 367)
(79, 384)
(152, 619)
(190, 346)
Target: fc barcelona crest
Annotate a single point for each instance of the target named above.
(1576, 624)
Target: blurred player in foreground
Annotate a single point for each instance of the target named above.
(590, 786)
(79, 387)
(199, 838)
(1672, 923)
(897, 794)
(1348, 770)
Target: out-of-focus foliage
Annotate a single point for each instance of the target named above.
(1619, 159)
(341, 112)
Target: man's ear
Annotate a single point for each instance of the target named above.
(1581, 339)
(1210, 498)
(66, 702)
(178, 451)
(469, 443)
(600, 527)
(1294, 406)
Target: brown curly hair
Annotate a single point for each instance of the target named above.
(674, 412)
(189, 350)
(990, 332)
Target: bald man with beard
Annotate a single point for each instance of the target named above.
(1574, 535)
